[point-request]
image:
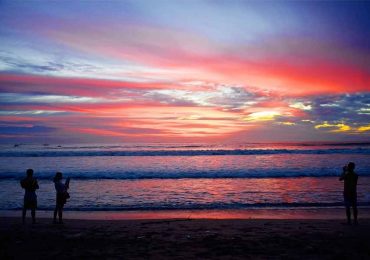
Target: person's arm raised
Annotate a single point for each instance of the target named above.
(67, 183)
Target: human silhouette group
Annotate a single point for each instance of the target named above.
(30, 185)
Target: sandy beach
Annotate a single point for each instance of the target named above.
(185, 239)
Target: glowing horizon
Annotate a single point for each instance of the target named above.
(184, 71)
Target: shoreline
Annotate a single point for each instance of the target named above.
(260, 213)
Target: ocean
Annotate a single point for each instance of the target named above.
(157, 176)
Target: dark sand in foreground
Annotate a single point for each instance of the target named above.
(185, 239)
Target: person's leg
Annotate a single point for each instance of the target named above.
(347, 203)
(355, 214)
(348, 214)
(355, 211)
(33, 214)
(60, 214)
(55, 214)
(24, 214)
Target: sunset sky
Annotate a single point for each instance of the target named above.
(184, 71)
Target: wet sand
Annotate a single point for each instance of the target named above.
(252, 213)
(185, 239)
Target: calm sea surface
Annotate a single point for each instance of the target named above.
(185, 176)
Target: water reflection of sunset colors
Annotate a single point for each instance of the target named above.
(165, 194)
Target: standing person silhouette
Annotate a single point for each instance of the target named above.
(61, 196)
(30, 185)
(350, 191)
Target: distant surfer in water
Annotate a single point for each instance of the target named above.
(350, 179)
(30, 185)
(61, 196)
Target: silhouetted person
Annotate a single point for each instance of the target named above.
(350, 191)
(62, 196)
(30, 185)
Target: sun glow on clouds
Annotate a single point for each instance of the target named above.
(184, 69)
(262, 116)
(302, 106)
(364, 128)
(337, 127)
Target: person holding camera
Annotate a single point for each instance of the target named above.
(350, 179)
(61, 196)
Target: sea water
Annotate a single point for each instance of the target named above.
(185, 176)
